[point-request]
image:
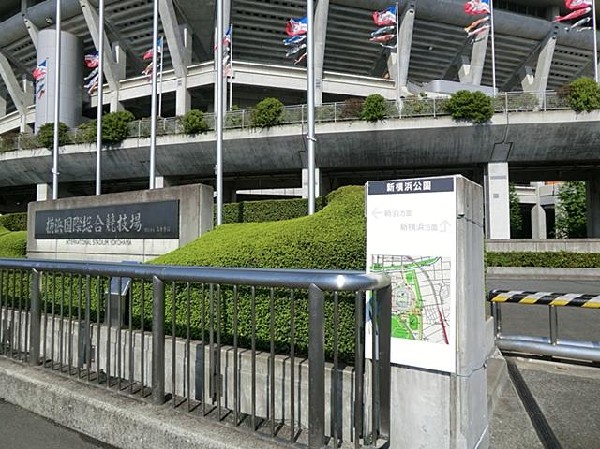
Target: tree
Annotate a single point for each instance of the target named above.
(583, 94)
(516, 217)
(373, 109)
(46, 134)
(268, 112)
(466, 106)
(571, 210)
(115, 126)
(193, 122)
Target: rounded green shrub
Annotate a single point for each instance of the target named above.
(115, 126)
(583, 94)
(14, 222)
(45, 135)
(193, 122)
(267, 113)
(374, 108)
(86, 133)
(466, 106)
(13, 244)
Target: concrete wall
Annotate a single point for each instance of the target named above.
(195, 218)
(554, 246)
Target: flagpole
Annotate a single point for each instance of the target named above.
(398, 55)
(310, 92)
(100, 98)
(493, 47)
(56, 102)
(219, 112)
(231, 68)
(153, 100)
(160, 77)
(595, 41)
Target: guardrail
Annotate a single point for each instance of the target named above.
(414, 107)
(77, 319)
(552, 345)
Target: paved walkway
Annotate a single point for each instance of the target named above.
(548, 405)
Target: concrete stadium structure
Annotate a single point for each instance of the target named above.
(531, 54)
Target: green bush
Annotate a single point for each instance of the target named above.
(234, 117)
(268, 210)
(14, 222)
(544, 260)
(583, 94)
(115, 126)
(193, 122)
(475, 107)
(333, 238)
(86, 133)
(571, 210)
(13, 244)
(45, 135)
(267, 113)
(374, 108)
(516, 217)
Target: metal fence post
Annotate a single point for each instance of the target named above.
(36, 320)
(384, 300)
(158, 341)
(553, 318)
(316, 368)
(497, 315)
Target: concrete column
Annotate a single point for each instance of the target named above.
(70, 78)
(539, 82)
(403, 48)
(538, 216)
(320, 23)
(43, 192)
(2, 106)
(183, 99)
(497, 210)
(437, 410)
(120, 73)
(593, 207)
(478, 53)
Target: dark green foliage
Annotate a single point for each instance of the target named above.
(516, 217)
(193, 122)
(352, 108)
(583, 94)
(234, 117)
(571, 210)
(115, 126)
(13, 244)
(86, 133)
(268, 210)
(267, 113)
(475, 107)
(374, 108)
(14, 222)
(547, 260)
(45, 135)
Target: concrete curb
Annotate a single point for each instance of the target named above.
(114, 419)
(553, 274)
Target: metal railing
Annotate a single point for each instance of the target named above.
(244, 344)
(414, 107)
(547, 346)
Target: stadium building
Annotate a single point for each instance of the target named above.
(523, 51)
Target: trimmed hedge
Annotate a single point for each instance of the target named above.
(561, 259)
(268, 210)
(13, 244)
(333, 238)
(14, 222)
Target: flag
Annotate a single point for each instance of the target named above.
(476, 7)
(39, 72)
(294, 40)
(91, 61)
(385, 17)
(575, 14)
(295, 49)
(40, 89)
(147, 72)
(149, 54)
(296, 27)
(383, 38)
(390, 29)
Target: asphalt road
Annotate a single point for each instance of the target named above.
(573, 323)
(20, 429)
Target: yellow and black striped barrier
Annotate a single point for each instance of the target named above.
(545, 298)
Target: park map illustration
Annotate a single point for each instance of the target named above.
(420, 296)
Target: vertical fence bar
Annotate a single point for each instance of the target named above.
(553, 321)
(119, 359)
(316, 367)
(497, 315)
(384, 299)
(272, 360)
(173, 344)
(359, 365)
(253, 357)
(292, 365)
(98, 326)
(158, 341)
(108, 322)
(188, 393)
(235, 356)
(36, 319)
(337, 438)
(142, 339)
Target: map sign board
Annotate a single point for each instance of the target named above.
(411, 236)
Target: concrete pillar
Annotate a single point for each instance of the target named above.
(539, 229)
(43, 192)
(593, 207)
(119, 70)
(70, 78)
(305, 182)
(497, 210)
(183, 99)
(539, 82)
(478, 53)
(320, 24)
(2, 106)
(431, 409)
(399, 62)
